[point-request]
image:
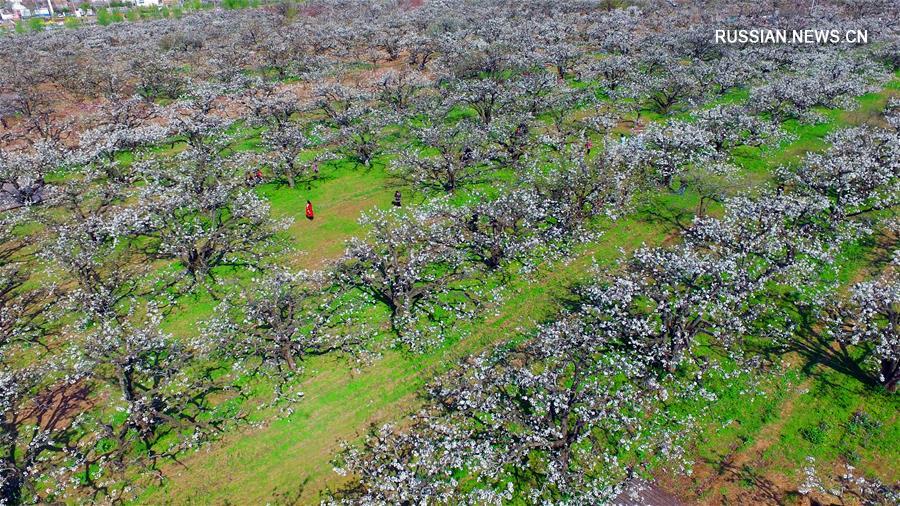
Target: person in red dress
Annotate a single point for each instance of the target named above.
(309, 210)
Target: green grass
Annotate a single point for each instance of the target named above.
(840, 419)
(342, 192)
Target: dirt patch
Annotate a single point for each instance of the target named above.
(742, 476)
(55, 408)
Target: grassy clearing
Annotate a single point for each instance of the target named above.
(342, 192)
(839, 419)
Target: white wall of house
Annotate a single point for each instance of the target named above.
(23, 11)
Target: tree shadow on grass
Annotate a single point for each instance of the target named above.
(885, 243)
(763, 490)
(290, 497)
(818, 348)
(822, 350)
(663, 213)
(57, 407)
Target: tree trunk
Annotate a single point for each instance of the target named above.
(288, 354)
(399, 313)
(890, 371)
(126, 385)
(495, 257)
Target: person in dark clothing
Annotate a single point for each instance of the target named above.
(315, 176)
(309, 211)
(397, 197)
